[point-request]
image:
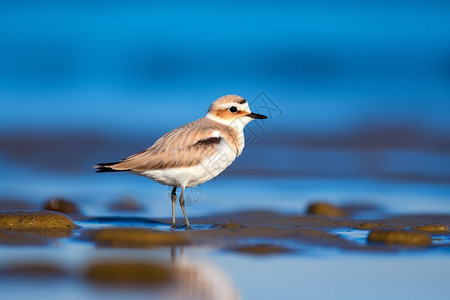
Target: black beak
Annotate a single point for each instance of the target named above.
(256, 116)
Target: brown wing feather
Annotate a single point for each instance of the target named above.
(182, 147)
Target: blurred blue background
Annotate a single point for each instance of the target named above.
(358, 89)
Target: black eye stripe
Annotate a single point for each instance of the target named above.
(233, 109)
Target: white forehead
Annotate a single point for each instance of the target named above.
(227, 105)
(227, 101)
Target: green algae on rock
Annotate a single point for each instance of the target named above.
(34, 220)
(326, 209)
(129, 273)
(136, 238)
(399, 237)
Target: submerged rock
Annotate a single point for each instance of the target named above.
(34, 219)
(399, 237)
(61, 205)
(136, 237)
(129, 273)
(326, 209)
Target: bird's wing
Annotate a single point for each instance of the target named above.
(182, 147)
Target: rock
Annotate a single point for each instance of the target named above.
(129, 273)
(228, 225)
(368, 226)
(399, 237)
(326, 209)
(33, 270)
(136, 238)
(34, 219)
(61, 205)
(261, 249)
(126, 204)
(433, 228)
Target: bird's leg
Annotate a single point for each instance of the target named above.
(188, 226)
(174, 200)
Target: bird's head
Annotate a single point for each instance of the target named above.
(232, 110)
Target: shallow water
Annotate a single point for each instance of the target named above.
(305, 270)
(264, 259)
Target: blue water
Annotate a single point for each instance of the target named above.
(328, 66)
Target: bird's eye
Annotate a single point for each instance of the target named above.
(233, 109)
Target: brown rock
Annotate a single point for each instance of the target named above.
(433, 228)
(399, 237)
(137, 238)
(33, 270)
(261, 249)
(34, 219)
(61, 205)
(129, 273)
(228, 225)
(368, 226)
(126, 204)
(326, 209)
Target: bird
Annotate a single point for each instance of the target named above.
(194, 153)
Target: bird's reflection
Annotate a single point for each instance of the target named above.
(198, 279)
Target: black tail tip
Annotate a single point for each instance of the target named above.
(104, 167)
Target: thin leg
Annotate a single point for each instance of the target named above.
(174, 200)
(188, 226)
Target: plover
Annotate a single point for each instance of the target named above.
(194, 153)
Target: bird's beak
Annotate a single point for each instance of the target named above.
(256, 116)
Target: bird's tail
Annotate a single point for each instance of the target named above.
(106, 167)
